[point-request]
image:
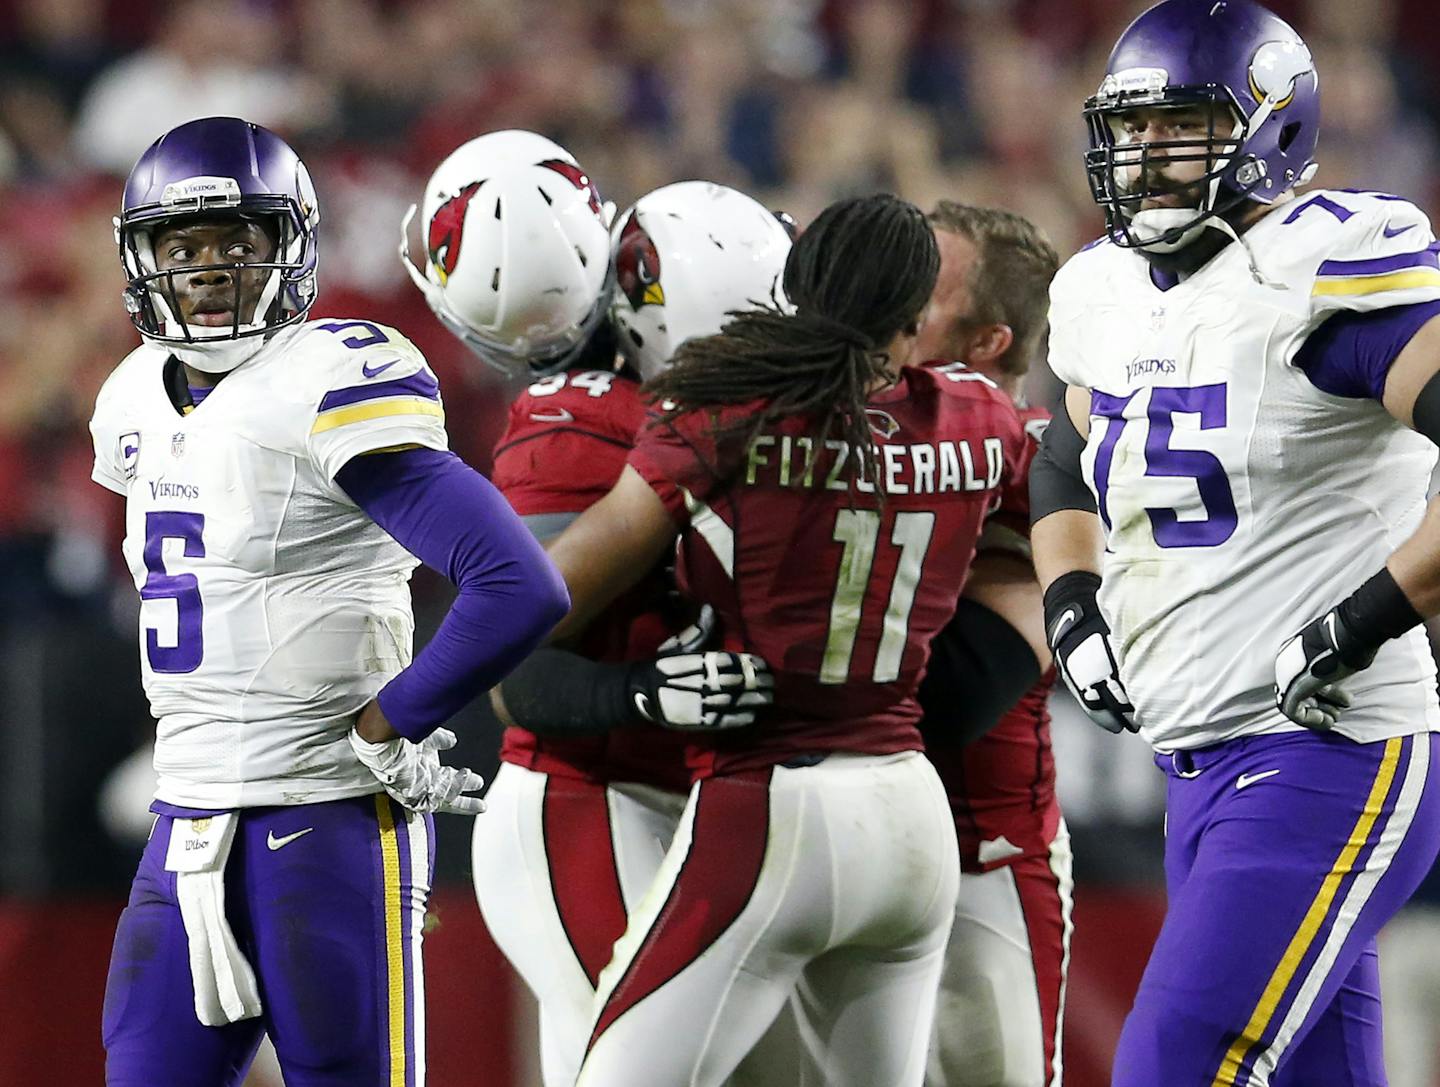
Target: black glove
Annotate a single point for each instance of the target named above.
(701, 692)
(1079, 637)
(1343, 641)
(695, 637)
(1310, 666)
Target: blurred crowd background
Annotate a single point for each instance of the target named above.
(795, 101)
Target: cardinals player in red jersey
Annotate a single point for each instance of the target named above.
(582, 811)
(998, 1020)
(827, 499)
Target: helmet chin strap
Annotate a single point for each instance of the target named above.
(218, 351)
(219, 357)
(1152, 225)
(1189, 237)
(1224, 227)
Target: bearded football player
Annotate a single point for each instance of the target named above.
(1233, 534)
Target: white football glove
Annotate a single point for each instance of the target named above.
(413, 774)
(700, 692)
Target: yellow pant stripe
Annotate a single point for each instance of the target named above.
(394, 953)
(1314, 918)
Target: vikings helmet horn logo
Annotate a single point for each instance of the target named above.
(637, 266)
(446, 228)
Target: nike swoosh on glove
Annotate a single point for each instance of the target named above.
(701, 692)
(413, 774)
(1310, 666)
(1079, 638)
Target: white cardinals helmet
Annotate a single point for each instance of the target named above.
(685, 255)
(517, 251)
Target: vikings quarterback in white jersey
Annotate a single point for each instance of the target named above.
(281, 478)
(1252, 414)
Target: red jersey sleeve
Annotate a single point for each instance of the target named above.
(680, 459)
(566, 441)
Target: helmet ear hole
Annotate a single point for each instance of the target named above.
(1288, 134)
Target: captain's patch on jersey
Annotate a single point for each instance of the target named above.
(129, 445)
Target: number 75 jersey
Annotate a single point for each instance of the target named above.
(1239, 499)
(272, 608)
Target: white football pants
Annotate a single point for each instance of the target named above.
(1002, 994)
(834, 882)
(558, 865)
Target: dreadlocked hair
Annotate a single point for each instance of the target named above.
(861, 273)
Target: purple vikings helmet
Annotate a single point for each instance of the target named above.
(210, 169)
(1255, 76)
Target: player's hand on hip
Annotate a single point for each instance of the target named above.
(414, 775)
(701, 692)
(1079, 638)
(1310, 667)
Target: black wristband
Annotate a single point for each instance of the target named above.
(1074, 587)
(1378, 611)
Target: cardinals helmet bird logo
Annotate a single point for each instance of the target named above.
(637, 266)
(577, 177)
(446, 229)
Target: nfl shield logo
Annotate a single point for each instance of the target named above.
(177, 445)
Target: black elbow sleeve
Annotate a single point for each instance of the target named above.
(979, 667)
(1056, 481)
(1426, 413)
(558, 693)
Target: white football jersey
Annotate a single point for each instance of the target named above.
(272, 607)
(1239, 500)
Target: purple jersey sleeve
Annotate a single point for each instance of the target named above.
(451, 518)
(1350, 354)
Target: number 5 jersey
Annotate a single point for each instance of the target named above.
(1247, 476)
(272, 608)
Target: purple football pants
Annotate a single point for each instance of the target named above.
(1284, 856)
(327, 901)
